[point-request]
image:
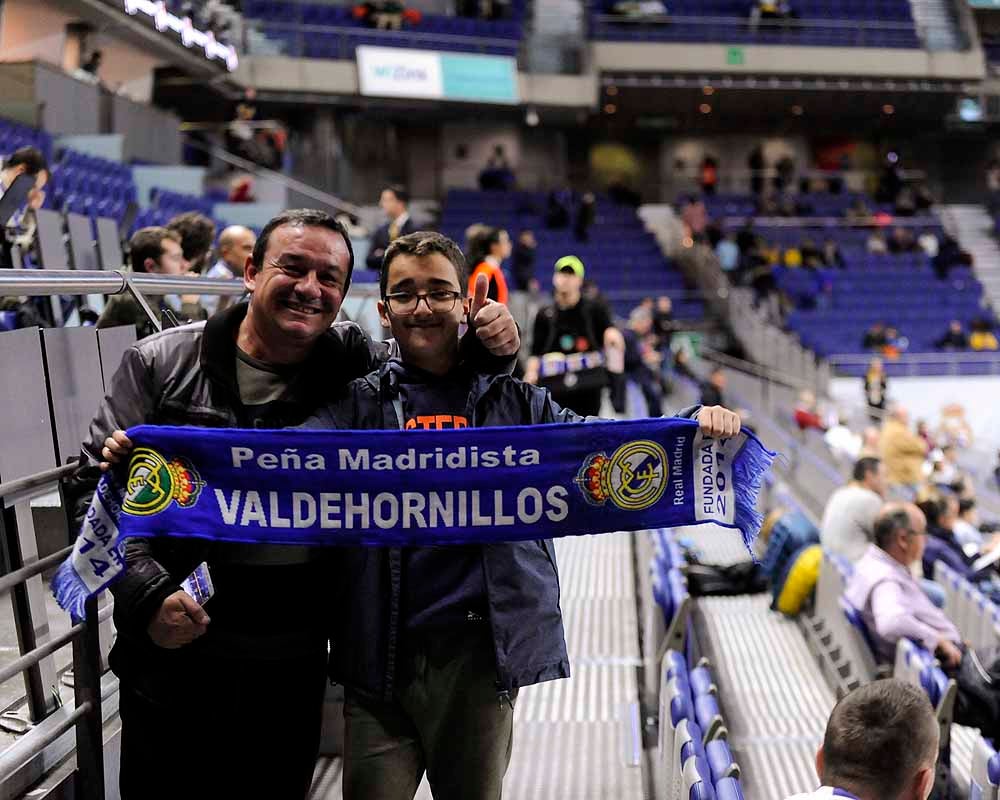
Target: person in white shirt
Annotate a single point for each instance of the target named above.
(849, 516)
(235, 246)
(881, 743)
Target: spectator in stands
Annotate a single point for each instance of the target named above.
(881, 742)
(728, 253)
(393, 202)
(902, 241)
(924, 432)
(642, 360)
(954, 428)
(694, 215)
(849, 517)
(832, 257)
(792, 257)
(876, 244)
(941, 509)
(875, 338)
(950, 255)
(876, 389)
(489, 249)
(586, 213)
(713, 390)
(156, 251)
(903, 452)
(497, 174)
(954, 338)
(259, 364)
(573, 324)
(23, 161)
(556, 212)
(93, 65)
(807, 416)
(844, 443)
(858, 211)
(663, 321)
(197, 234)
(966, 528)
(928, 243)
(983, 338)
(235, 248)
(524, 262)
(888, 597)
(708, 175)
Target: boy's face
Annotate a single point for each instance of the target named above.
(425, 336)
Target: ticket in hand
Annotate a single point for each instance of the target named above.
(199, 584)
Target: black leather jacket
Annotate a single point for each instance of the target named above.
(270, 602)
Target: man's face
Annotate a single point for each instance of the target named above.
(237, 251)
(390, 204)
(299, 288)
(876, 481)
(172, 261)
(566, 281)
(915, 540)
(425, 334)
(36, 197)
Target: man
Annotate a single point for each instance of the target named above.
(247, 683)
(890, 599)
(393, 202)
(235, 247)
(573, 325)
(954, 338)
(903, 452)
(849, 516)
(712, 390)
(23, 161)
(881, 743)
(197, 234)
(435, 642)
(642, 360)
(156, 251)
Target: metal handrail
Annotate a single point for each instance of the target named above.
(84, 281)
(763, 24)
(863, 359)
(19, 576)
(292, 183)
(416, 33)
(12, 759)
(829, 222)
(32, 657)
(19, 486)
(756, 370)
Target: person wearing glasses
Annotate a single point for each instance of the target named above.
(246, 674)
(433, 643)
(891, 601)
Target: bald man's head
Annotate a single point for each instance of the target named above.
(900, 530)
(235, 246)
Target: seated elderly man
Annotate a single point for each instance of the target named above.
(890, 599)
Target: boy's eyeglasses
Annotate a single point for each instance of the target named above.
(440, 301)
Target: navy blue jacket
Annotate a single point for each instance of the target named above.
(521, 578)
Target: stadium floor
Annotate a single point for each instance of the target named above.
(570, 737)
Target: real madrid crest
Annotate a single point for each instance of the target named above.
(633, 478)
(153, 483)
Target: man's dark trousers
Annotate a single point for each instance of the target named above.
(262, 727)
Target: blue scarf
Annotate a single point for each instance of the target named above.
(377, 488)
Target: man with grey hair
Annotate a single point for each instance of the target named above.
(890, 600)
(881, 743)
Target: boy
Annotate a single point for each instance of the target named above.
(433, 643)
